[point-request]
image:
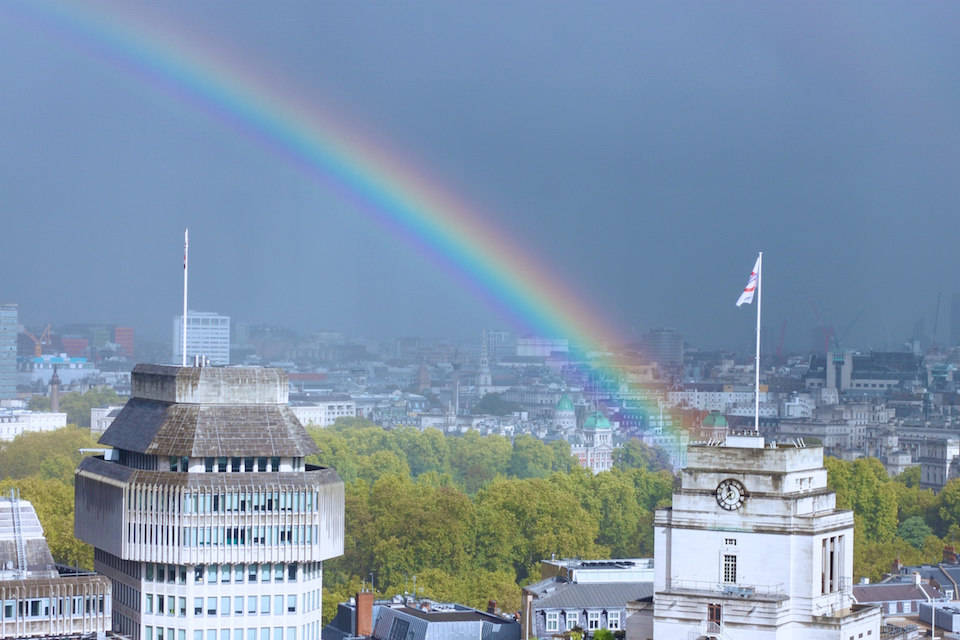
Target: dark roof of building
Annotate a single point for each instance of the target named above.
(894, 592)
(572, 595)
(160, 428)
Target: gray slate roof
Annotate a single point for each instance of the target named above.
(160, 428)
(605, 595)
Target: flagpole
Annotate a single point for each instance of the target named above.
(756, 388)
(183, 330)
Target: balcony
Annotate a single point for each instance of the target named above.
(739, 591)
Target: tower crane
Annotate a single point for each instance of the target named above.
(37, 342)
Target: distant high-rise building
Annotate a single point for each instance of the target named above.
(208, 334)
(8, 351)
(663, 346)
(955, 320)
(123, 336)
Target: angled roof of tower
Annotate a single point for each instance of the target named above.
(209, 411)
(596, 420)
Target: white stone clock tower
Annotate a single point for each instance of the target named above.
(754, 548)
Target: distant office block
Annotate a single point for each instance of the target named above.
(955, 319)
(8, 351)
(208, 334)
(663, 346)
(123, 336)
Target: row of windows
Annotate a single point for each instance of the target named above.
(235, 465)
(75, 607)
(572, 619)
(170, 501)
(227, 573)
(252, 633)
(163, 604)
(244, 536)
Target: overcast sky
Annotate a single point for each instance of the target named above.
(644, 152)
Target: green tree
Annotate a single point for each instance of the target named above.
(530, 458)
(38, 403)
(603, 634)
(915, 531)
(77, 406)
(635, 454)
(476, 460)
(493, 404)
(52, 455)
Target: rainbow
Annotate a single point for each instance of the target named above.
(385, 188)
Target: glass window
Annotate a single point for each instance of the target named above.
(235, 464)
(198, 574)
(264, 633)
(248, 464)
(225, 570)
(211, 606)
(278, 633)
(211, 634)
(161, 573)
(730, 569)
(278, 573)
(159, 633)
(291, 633)
(183, 575)
(198, 606)
(613, 620)
(252, 572)
(174, 463)
(182, 602)
(225, 605)
(224, 634)
(149, 603)
(212, 574)
(553, 621)
(238, 605)
(238, 634)
(292, 572)
(275, 464)
(277, 605)
(291, 604)
(261, 464)
(181, 634)
(238, 573)
(171, 573)
(264, 604)
(573, 619)
(148, 633)
(265, 572)
(149, 572)
(208, 465)
(593, 620)
(171, 606)
(222, 464)
(198, 635)
(251, 604)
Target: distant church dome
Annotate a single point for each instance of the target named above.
(564, 404)
(715, 420)
(596, 420)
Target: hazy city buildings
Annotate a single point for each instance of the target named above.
(8, 351)
(208, 335)
(204, 515)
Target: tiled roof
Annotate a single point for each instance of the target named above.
(161, 428)
(893, 592)
(573, 595)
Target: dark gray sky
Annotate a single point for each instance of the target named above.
(643, 151)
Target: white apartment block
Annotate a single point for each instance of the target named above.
(323, 411)
(204, 514)
(754, 548)
(208, 334)
(13, 422)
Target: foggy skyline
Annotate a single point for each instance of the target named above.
(643, 152)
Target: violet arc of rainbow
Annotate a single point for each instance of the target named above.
(386, 188)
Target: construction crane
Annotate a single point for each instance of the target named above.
(849, 326)
(827, 333)
(37, 342)
(783, 332)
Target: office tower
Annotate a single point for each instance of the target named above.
(663, 346)
(8, 351)
(208, 334)
(204, 514)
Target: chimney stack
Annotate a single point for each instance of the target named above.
(492, 607)
(949, 554)
(364, 614)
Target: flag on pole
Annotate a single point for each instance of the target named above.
(747, 296)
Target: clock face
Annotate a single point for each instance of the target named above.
(731, 494)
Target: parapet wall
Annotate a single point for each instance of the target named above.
(210, 385)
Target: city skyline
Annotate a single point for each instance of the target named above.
(636, 153)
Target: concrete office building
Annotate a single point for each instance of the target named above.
(754, 548)
(663, 346)
(8, 351)
(204, 514)
(208, 334)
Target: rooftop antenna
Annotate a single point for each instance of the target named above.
(183, 331)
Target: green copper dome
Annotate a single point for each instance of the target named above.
(564, 404)
(714, 419)
(596, 420)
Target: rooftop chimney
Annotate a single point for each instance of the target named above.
(492, 607)
(364, 613)
(949, 554)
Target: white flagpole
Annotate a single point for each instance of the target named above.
(756, 388)
(183, 331)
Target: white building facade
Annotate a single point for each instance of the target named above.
(13, 422)
(754, 548)
(205, 516)
(208, 334)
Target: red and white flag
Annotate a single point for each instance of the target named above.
(747, 296)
